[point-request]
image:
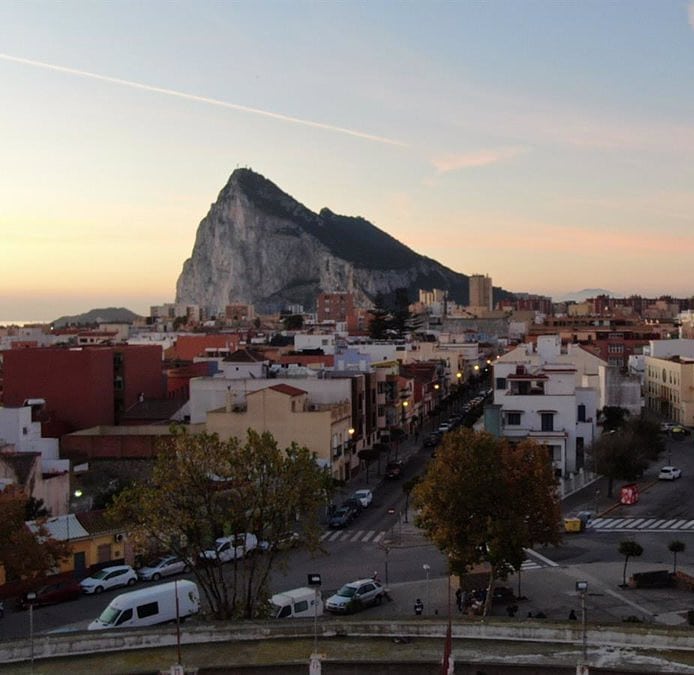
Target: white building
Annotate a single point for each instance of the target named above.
(544, 394)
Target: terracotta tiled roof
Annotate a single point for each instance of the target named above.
(95, 522)
(287, 389)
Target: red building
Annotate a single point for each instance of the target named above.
(334, 306)
(84, 387)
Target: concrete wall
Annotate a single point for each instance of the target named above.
(72, 644)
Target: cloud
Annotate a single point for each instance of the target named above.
(203, 99)
(448, 163)
(690, 14)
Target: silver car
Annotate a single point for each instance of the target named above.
(165, 566)
(355, 596)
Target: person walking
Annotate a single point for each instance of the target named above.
(418, 607)
(459, 599)
(572, 616)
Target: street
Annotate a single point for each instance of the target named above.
(383, 540)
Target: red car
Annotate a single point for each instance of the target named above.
(51, 594)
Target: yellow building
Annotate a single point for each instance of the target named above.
(93, 541)
(669, 388)
(288, 414)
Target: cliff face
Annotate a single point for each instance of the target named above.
(258, 245)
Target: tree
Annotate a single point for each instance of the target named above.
(625, 454)
(483, 500)
(675, 547)
(202, 488)
(612, 418)
(35, 509)
(293, 322)
(629, 549)
(380, 319)
(25, 553)
(407, 488)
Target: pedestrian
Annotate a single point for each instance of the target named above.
(418, 607)
(572, 616)
(375, 577)
(459, 599)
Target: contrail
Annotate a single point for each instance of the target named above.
(204, 99)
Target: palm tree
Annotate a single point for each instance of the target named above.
(675, 547)
(629, 549)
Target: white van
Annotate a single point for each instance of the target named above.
(231, 548)
(299, 602)
(149, 606)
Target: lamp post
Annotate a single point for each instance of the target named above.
(314, 668)
(31, 596)
(426, 569)
(582, 587)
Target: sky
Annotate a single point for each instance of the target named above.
(547, 144)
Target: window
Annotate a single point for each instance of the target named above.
(581, 413)
(501, 383)
(301, 606)
(284, 612)
(125, 615)
(513, 418)
(150, 609)
(547, 421)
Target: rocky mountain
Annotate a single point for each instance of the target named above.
(260, 246)
(96, 316)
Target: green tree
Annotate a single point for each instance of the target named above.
(407, 488)
(380, 321)
(202, 487)
(612, 418)
(293, 322)
(483, 500)
(624, 454)
(629, 549)
(34, 509)
(675, 547)
(25, 553)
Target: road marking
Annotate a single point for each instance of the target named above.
(334, 536)
(669, 523)
(678, 524)
(529, 552)
(368, 535)
(530, 565)
(648, 523)
(379, 536)
(634, 522)
(357, 535)
(325, 535)
(613, 523)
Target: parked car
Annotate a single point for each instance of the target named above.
(679, 430)
(231, 548)
(341, 517)
(284, 541)
(365, 497)
(444, 427)
(394, 469)
(51, 594)
(432, 440)
(355, 596)
(669, 473)
(354, 504)
(108, 578)
(162, 567)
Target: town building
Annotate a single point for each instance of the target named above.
(669, 380)
(550, 396)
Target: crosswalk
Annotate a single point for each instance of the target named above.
(377, 536)
(641, 525)
(366, 536)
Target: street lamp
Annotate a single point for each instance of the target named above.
(31, 596)
(582, 588)
(426, 569)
